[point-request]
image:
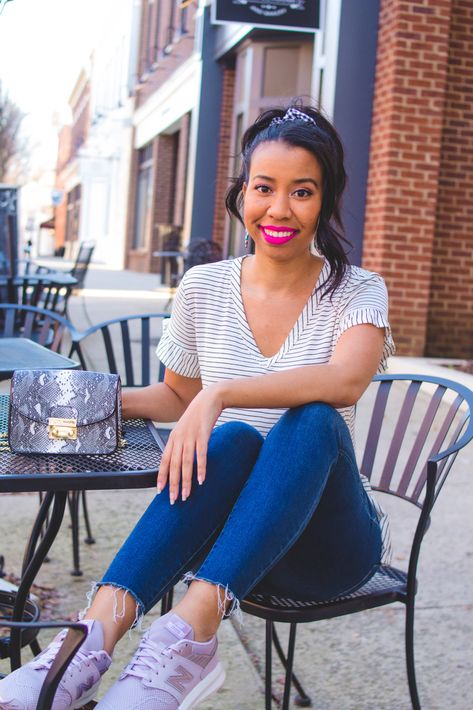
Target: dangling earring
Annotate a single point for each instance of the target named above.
(316, 246)
(247, 241)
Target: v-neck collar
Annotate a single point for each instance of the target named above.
(305, 317)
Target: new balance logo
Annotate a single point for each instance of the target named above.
(83, 687)
(176, 681)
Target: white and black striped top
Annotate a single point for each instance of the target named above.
(208, 335)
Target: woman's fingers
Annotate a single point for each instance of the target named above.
(187, 468)
(175, 467)
(201, 455)
(163, 472)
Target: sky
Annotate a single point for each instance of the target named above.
(43, 45)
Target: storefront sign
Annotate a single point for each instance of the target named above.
(298, 15)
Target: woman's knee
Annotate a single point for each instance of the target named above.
(235, 441)
(315, 414)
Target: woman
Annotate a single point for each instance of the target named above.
(266, 356)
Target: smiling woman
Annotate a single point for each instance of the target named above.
(266, 356)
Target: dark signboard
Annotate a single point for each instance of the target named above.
(299, 15)
(8, 230)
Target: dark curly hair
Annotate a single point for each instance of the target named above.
(324, 143)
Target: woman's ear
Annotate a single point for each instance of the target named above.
(244, 188)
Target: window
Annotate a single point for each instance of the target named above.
(73, 214)
(144, 191)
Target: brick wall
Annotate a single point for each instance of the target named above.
(163, 48)
(60, 212)
(224, 150)
(406, 144)
(450, 323)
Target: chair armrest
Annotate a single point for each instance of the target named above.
(71, 644)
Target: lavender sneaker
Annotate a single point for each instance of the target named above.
(168, 671)
(20, 690)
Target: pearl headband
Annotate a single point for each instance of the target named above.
(293, 114)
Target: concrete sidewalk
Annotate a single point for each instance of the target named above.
(351, 663)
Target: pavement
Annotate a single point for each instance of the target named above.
(351, 663)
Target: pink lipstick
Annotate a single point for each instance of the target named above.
(277, 235)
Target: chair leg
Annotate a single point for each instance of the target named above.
(301, 699)
(411, 672)
(166, 602)
(268, 690)
(73, 499)
(35, 647)
(90, 539)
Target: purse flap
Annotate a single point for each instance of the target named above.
(89, 397)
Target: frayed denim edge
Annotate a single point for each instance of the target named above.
(139, 611)
(233, 611)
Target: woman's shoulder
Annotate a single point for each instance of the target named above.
(213, 276)
(355, 278)
(356, 275)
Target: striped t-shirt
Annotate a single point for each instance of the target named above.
(208, 335)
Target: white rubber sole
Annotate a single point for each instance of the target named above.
(206, 687)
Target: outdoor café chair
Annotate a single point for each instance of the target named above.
(124, 346)
(78, 270)
(40, 291)
(71, 644)
(39, 324)
(422, 423)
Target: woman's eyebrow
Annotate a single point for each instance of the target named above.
(296, 182)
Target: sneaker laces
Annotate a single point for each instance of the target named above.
(45, 660)
(147, 656)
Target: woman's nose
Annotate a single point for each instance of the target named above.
(279, 207)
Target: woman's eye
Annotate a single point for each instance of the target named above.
(262, 188)
(302, 192)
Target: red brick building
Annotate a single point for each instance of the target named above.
(396, 76)
(419, 213)
(68, 181)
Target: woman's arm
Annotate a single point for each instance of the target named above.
(162, 402)
(341, 382)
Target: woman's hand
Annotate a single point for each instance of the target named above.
(190, 438)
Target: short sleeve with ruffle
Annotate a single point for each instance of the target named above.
(365, 301)
(177, 348)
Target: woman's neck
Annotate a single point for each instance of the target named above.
(275, 276)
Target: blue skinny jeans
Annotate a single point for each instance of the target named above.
(285, 515)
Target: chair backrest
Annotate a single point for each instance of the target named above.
(79, 270)
(422, 423)
(38, 324)
(124, 346)
(36, 290)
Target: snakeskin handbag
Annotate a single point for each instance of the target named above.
(64, 412)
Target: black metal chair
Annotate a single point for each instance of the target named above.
(71, 644)
(41, 291)
(426, 421)
(78, 270)
(123, 346)
(39, 324)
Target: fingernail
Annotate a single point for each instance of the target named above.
(158, 488)
(172, 499)
(184, 495)
(201, 480)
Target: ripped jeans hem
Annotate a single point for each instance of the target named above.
(233, 610)
(117, 615)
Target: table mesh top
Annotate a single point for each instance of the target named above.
(141, 452)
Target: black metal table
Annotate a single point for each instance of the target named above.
(22, 353)
(135, 465)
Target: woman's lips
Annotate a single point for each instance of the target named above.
(277, 235)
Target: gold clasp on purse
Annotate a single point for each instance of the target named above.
(60, 429)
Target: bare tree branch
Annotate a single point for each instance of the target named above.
(12, 147)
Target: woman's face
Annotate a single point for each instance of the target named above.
(283, 198)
